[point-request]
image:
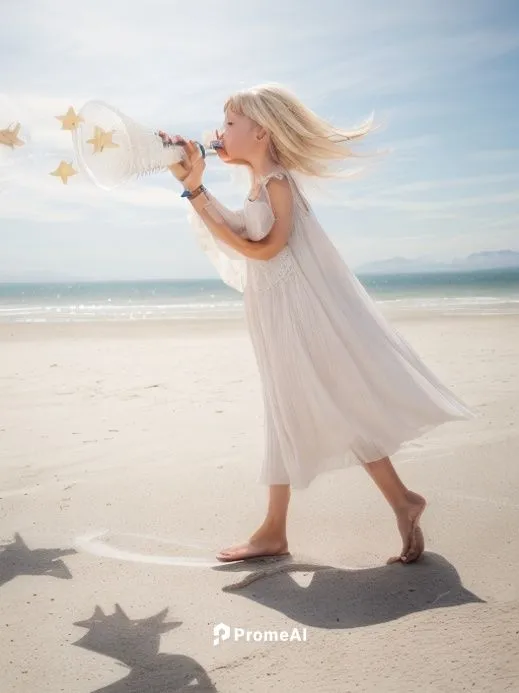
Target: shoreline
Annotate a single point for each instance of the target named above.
(122, 329)
(178, 327)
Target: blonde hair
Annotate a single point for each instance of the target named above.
(299, 139)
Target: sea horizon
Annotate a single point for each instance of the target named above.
(481, 291)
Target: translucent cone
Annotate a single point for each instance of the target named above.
(111, 148)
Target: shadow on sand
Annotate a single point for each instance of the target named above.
(18, 559)
(135, 644)
(340, 598)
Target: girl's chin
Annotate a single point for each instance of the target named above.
(223, 155)
(227, 159)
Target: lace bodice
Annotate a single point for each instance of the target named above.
(259, 219)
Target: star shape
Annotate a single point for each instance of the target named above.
(9, 136)
(64, 171)
(71, 120)
(18, 559)
(154, 623)
(102, 139)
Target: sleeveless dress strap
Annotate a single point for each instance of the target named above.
(273, 174)
(299, 198)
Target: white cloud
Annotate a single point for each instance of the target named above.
(431, 207)
(171, 65)
(454, 183)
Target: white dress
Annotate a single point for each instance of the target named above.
(340, 385)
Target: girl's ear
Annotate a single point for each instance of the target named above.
(261, 133)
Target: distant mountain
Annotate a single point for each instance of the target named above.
(486, 259)
(493, 258)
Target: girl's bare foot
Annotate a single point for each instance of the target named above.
(260, 544)
(408, 518)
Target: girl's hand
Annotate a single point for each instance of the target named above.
(194, 164)
(190, 169)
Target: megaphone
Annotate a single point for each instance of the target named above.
(112, 149)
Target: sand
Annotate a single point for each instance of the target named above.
(128, 458)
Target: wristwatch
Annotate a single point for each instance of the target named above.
(190, 194)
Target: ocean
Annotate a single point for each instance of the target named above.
(479, 292)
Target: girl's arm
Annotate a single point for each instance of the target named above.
(268, 247)
(235, 220)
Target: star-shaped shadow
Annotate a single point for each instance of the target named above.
(18, 559)
(136, 645)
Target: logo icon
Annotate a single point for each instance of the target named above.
(221, 632)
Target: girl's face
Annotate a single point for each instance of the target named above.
(239, 137)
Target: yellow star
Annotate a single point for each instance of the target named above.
(64, 171)
(70, 120)
(102, 139)
(9, 136)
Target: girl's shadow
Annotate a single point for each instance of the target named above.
(340, 598)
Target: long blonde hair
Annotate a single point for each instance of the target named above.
(299, 139)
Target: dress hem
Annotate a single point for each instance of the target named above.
(343, 458)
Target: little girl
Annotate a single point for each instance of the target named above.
(340, 385)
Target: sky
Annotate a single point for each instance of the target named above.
(442, 79)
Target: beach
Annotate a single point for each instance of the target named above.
(129, 453)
